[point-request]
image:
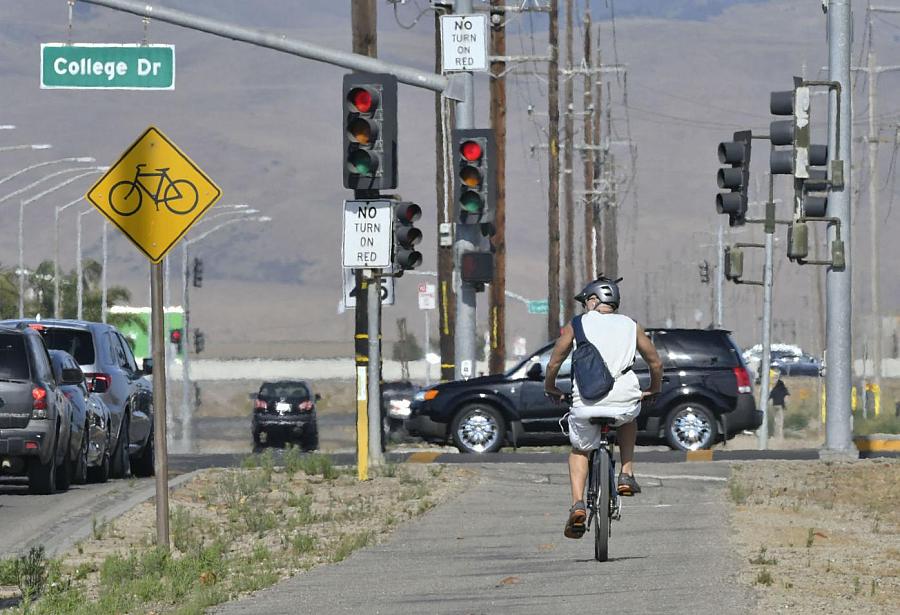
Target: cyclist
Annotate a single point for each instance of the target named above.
(617, 337)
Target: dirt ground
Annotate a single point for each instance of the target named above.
(818, 537)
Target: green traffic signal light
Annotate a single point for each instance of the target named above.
(361, 162)
(470, 202)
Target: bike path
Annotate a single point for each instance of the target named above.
(499, 548)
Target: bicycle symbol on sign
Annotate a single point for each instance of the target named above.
(179, 196)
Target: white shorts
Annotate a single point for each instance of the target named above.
(585, 436)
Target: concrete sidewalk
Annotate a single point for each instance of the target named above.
(499, 548)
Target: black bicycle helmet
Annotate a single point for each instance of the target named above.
(606, 290)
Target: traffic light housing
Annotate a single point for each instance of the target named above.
(475, 176)
(735, 179)
(198, 272)
(175, 338)
(704, 272)
(734, 263)
(406, 236)
(199, 341)
(370, 131)
(793, 132)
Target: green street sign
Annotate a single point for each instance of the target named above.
(541, 306)
(91, 66)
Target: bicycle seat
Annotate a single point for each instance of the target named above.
(602, 420)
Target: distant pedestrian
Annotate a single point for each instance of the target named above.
(778, 396)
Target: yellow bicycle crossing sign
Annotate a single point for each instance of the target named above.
(154, 193)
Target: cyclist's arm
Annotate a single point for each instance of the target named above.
(561, 350)
(648, 352)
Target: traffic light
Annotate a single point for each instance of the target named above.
(370, 131)
(704, 272)
(199, 341)
(175, 339)
(793, 132)
(198, 272)
(734, 263)
(406, 236)
(475, 173)
(736, 179)
(477, 267)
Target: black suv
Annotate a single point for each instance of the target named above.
(706, 397)
(286, 408)
(35, 416)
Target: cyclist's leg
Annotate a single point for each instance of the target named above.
(626, 435)
(578, 471)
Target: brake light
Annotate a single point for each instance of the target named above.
(742, 376)
(305, 406)
(91, 379)
(260, 404)
(39, 403)
(36, 327)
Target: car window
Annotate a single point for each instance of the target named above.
(293, 390)
(697, 349)
(129, 356)
(13, 361)
(77, 342)
(543, 358)
(42, 370)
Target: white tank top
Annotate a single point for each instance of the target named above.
(615, 337)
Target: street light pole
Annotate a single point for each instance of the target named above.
(22, 205)
(187, 403)
(56, 211)
(85, 159)
(79, 266)
(13, 148)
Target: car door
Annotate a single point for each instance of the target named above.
(537, 411)
(141, 422)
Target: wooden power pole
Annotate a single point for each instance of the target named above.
(497, 298)
(588, 129)
(568, 175)
(553, 175)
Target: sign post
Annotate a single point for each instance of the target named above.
(154, 193)
(427, 302)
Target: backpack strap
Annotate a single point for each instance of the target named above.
(579, 330)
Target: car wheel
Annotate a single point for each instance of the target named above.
(121, 464)
(143, 465)
(100, 474)
(691, 426)
(478, 428)
(64, 474)
(81, 464)
(309, 440)
(42, 477)
(257, 439)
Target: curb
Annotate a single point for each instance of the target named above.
(878, 443)
(59, 539)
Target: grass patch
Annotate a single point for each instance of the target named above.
(349, 543)
(762, 560)
(764, 577)
(737, 491)
(884, 423)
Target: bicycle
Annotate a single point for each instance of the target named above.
(602, 498)
(179, 191)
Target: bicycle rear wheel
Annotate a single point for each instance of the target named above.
(601, 515)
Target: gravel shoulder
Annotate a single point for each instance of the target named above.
(817, 538)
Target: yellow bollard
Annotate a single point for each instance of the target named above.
(853, 399)
(823, 406)
(875, 390)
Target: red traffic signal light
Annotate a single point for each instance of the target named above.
(175, 336)
(471, 150)
(475, 175)
(406, 236)
(370, 131)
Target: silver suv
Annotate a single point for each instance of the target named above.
(110, 369)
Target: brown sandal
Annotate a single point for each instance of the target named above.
(575, 526)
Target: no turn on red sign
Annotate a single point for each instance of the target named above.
(464, 43)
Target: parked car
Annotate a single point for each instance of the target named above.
(706, 396)
(112, 372)
(90, 426)
(285, 409)
(788, 359)
(35, 416)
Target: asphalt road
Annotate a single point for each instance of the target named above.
(498, 548)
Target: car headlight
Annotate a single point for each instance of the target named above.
(419, 396)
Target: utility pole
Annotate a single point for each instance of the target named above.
(839, 289)
(445, 215)
(553, 322)
(588, 155)
(568, 176)
(368, 307)
(497, 296)
(599, 164)
(610, 208)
